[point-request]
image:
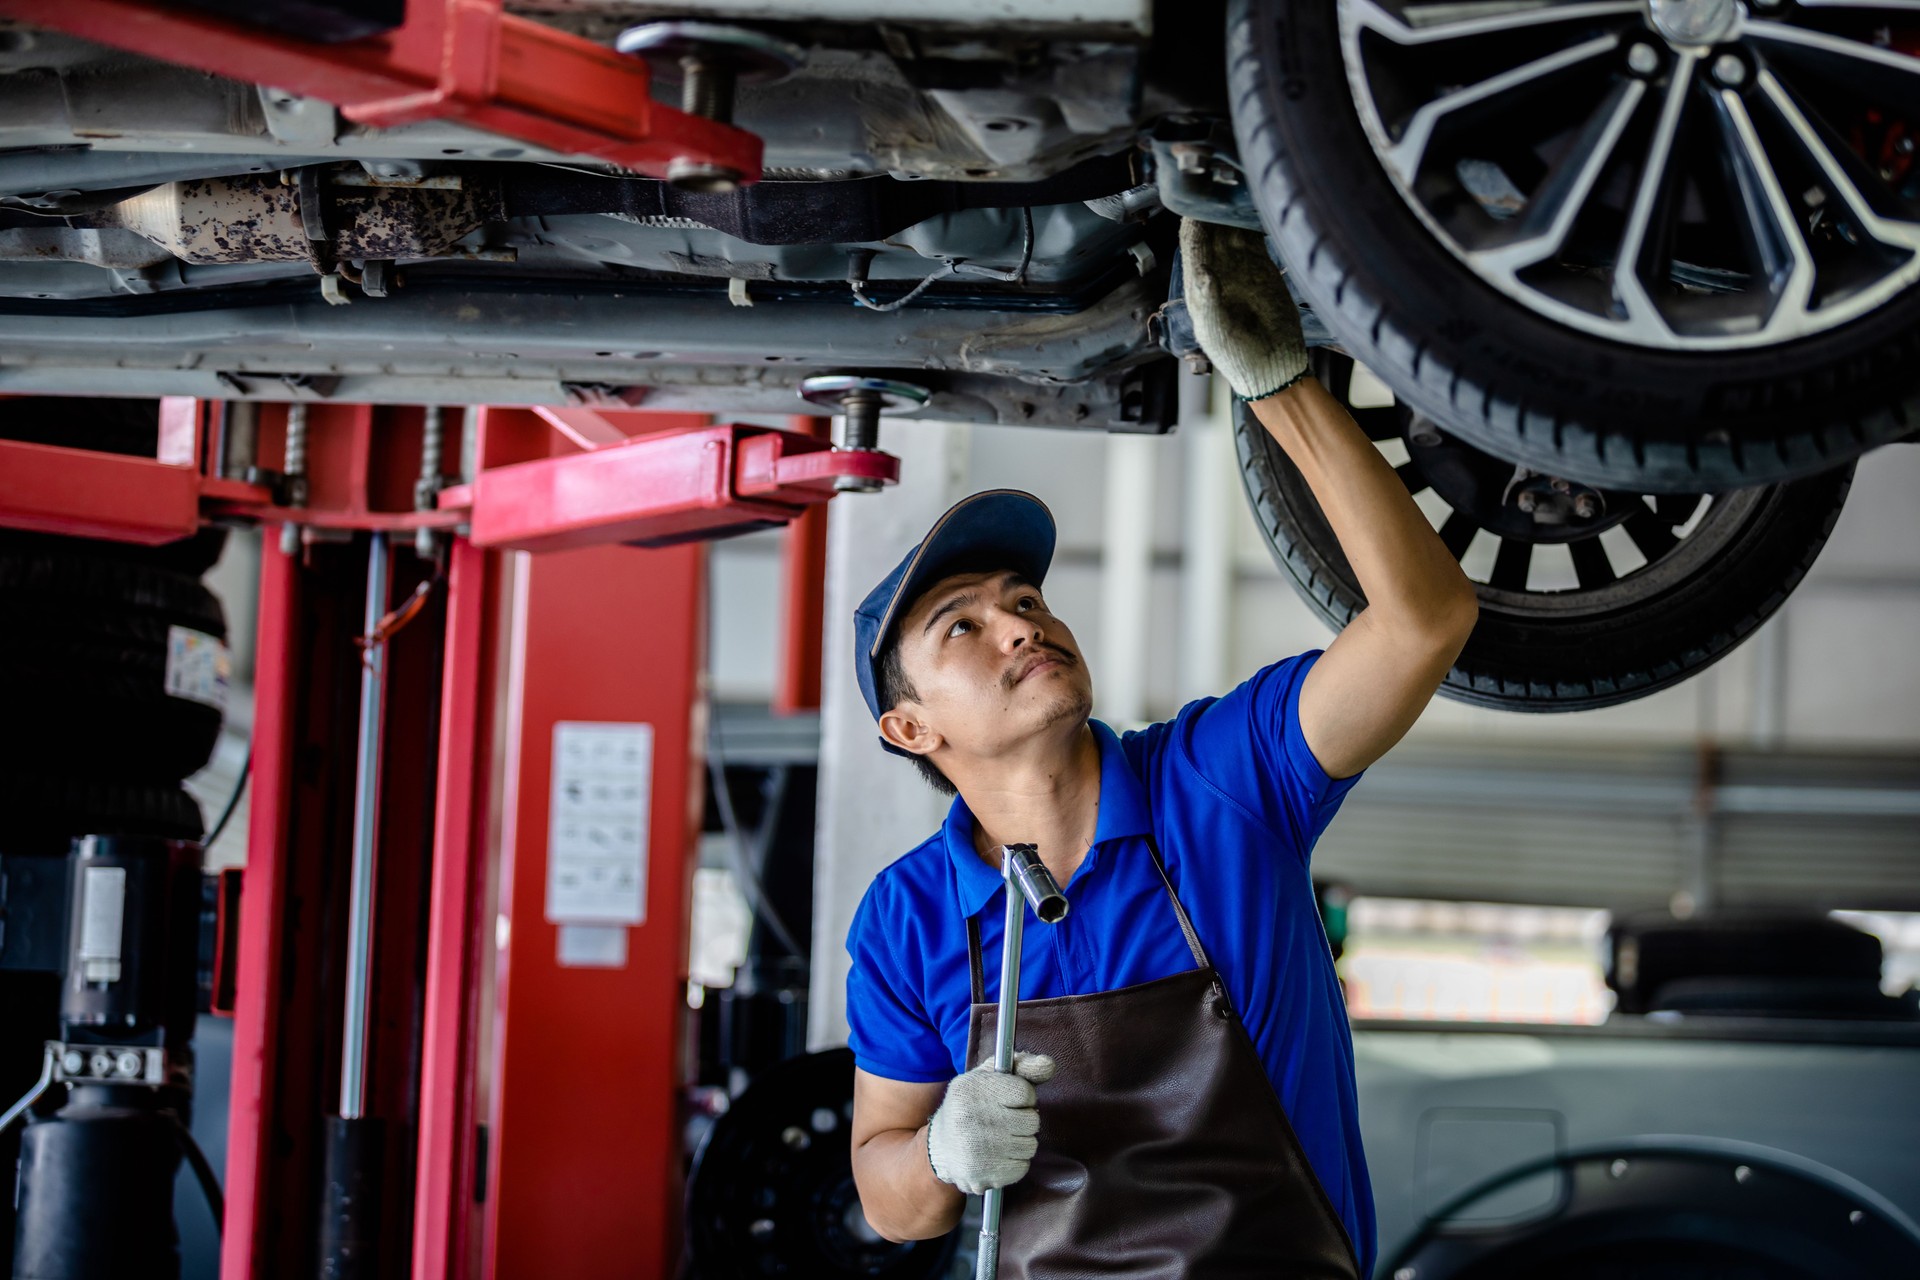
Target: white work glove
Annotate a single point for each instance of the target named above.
(983, 1134)
(1241, 310)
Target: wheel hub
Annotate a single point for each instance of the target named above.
(1712, 189)
(1693, 23)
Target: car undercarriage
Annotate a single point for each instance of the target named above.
(1636, 278)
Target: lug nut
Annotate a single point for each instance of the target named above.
(1527, 502)
(1585, 507)
(1643, 59)
(1729, 70)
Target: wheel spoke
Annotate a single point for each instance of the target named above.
(1675, 509)
(1550, 215)
(1652, 537)
(1411, 149)
(1457, 533)
(1869, 56)
(1510, 564)
(1839, 167)
(1788, 262)
(1590, 563)
(1427, 23)
(1643, 318)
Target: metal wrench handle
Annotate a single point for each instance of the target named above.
(1024, 874)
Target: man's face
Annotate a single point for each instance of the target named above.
(990, 665)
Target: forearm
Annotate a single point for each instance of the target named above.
(898, 1192)
(1410, 579)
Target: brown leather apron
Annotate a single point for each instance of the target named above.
(1164, 1151)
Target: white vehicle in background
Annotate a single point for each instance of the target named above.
(1640, 275)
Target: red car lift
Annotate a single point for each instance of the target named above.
(545, 1083)
(464, 60)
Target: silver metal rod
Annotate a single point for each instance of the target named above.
(987, 1263)
(366, 818)
(426, 490)
(294, 470)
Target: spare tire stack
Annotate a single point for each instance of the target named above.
(113, 660)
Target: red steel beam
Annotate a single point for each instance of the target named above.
(803, 573)
(86, 494)
(257, 1003)
(584, 1177)
(464, 60)
(459, 932)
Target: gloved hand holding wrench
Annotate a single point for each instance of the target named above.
(983, 1135)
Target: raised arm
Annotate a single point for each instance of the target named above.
(1379, 673)
(1373, 681)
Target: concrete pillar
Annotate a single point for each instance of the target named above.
(1126, 578)
(1208, 508)
(873, 805)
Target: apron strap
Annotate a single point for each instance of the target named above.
(1186, 925)
(974, 967)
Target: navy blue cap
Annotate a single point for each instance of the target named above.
(997, 529)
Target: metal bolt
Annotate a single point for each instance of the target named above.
(73, 1062)
(1191, 158)
(1423, 433)
(1741, 1173)
(1405, 1273)
(1527, 501)
(100, 1064)
(1618, 1168)
(1729, 70)
(1585, 507)
(1855, 1218)
(707, 89)
(1643, 59)
(129, 1064)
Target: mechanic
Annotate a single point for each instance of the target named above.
(1195, 1109)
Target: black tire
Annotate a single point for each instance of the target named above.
(1575, 650)
(45, 813)
(86, 650)
(1486, 367)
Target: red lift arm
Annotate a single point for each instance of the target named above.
(465, 60)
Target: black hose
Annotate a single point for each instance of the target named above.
(746, 860)
(233, 801)
(202, 1171)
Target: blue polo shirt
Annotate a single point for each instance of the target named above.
(1235, 801)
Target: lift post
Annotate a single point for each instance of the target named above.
(541, 1129)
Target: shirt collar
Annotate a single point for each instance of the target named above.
(1123, 812)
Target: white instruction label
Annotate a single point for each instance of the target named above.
(103, 909)
(593, 946)
(198, 667)
(597, 833)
